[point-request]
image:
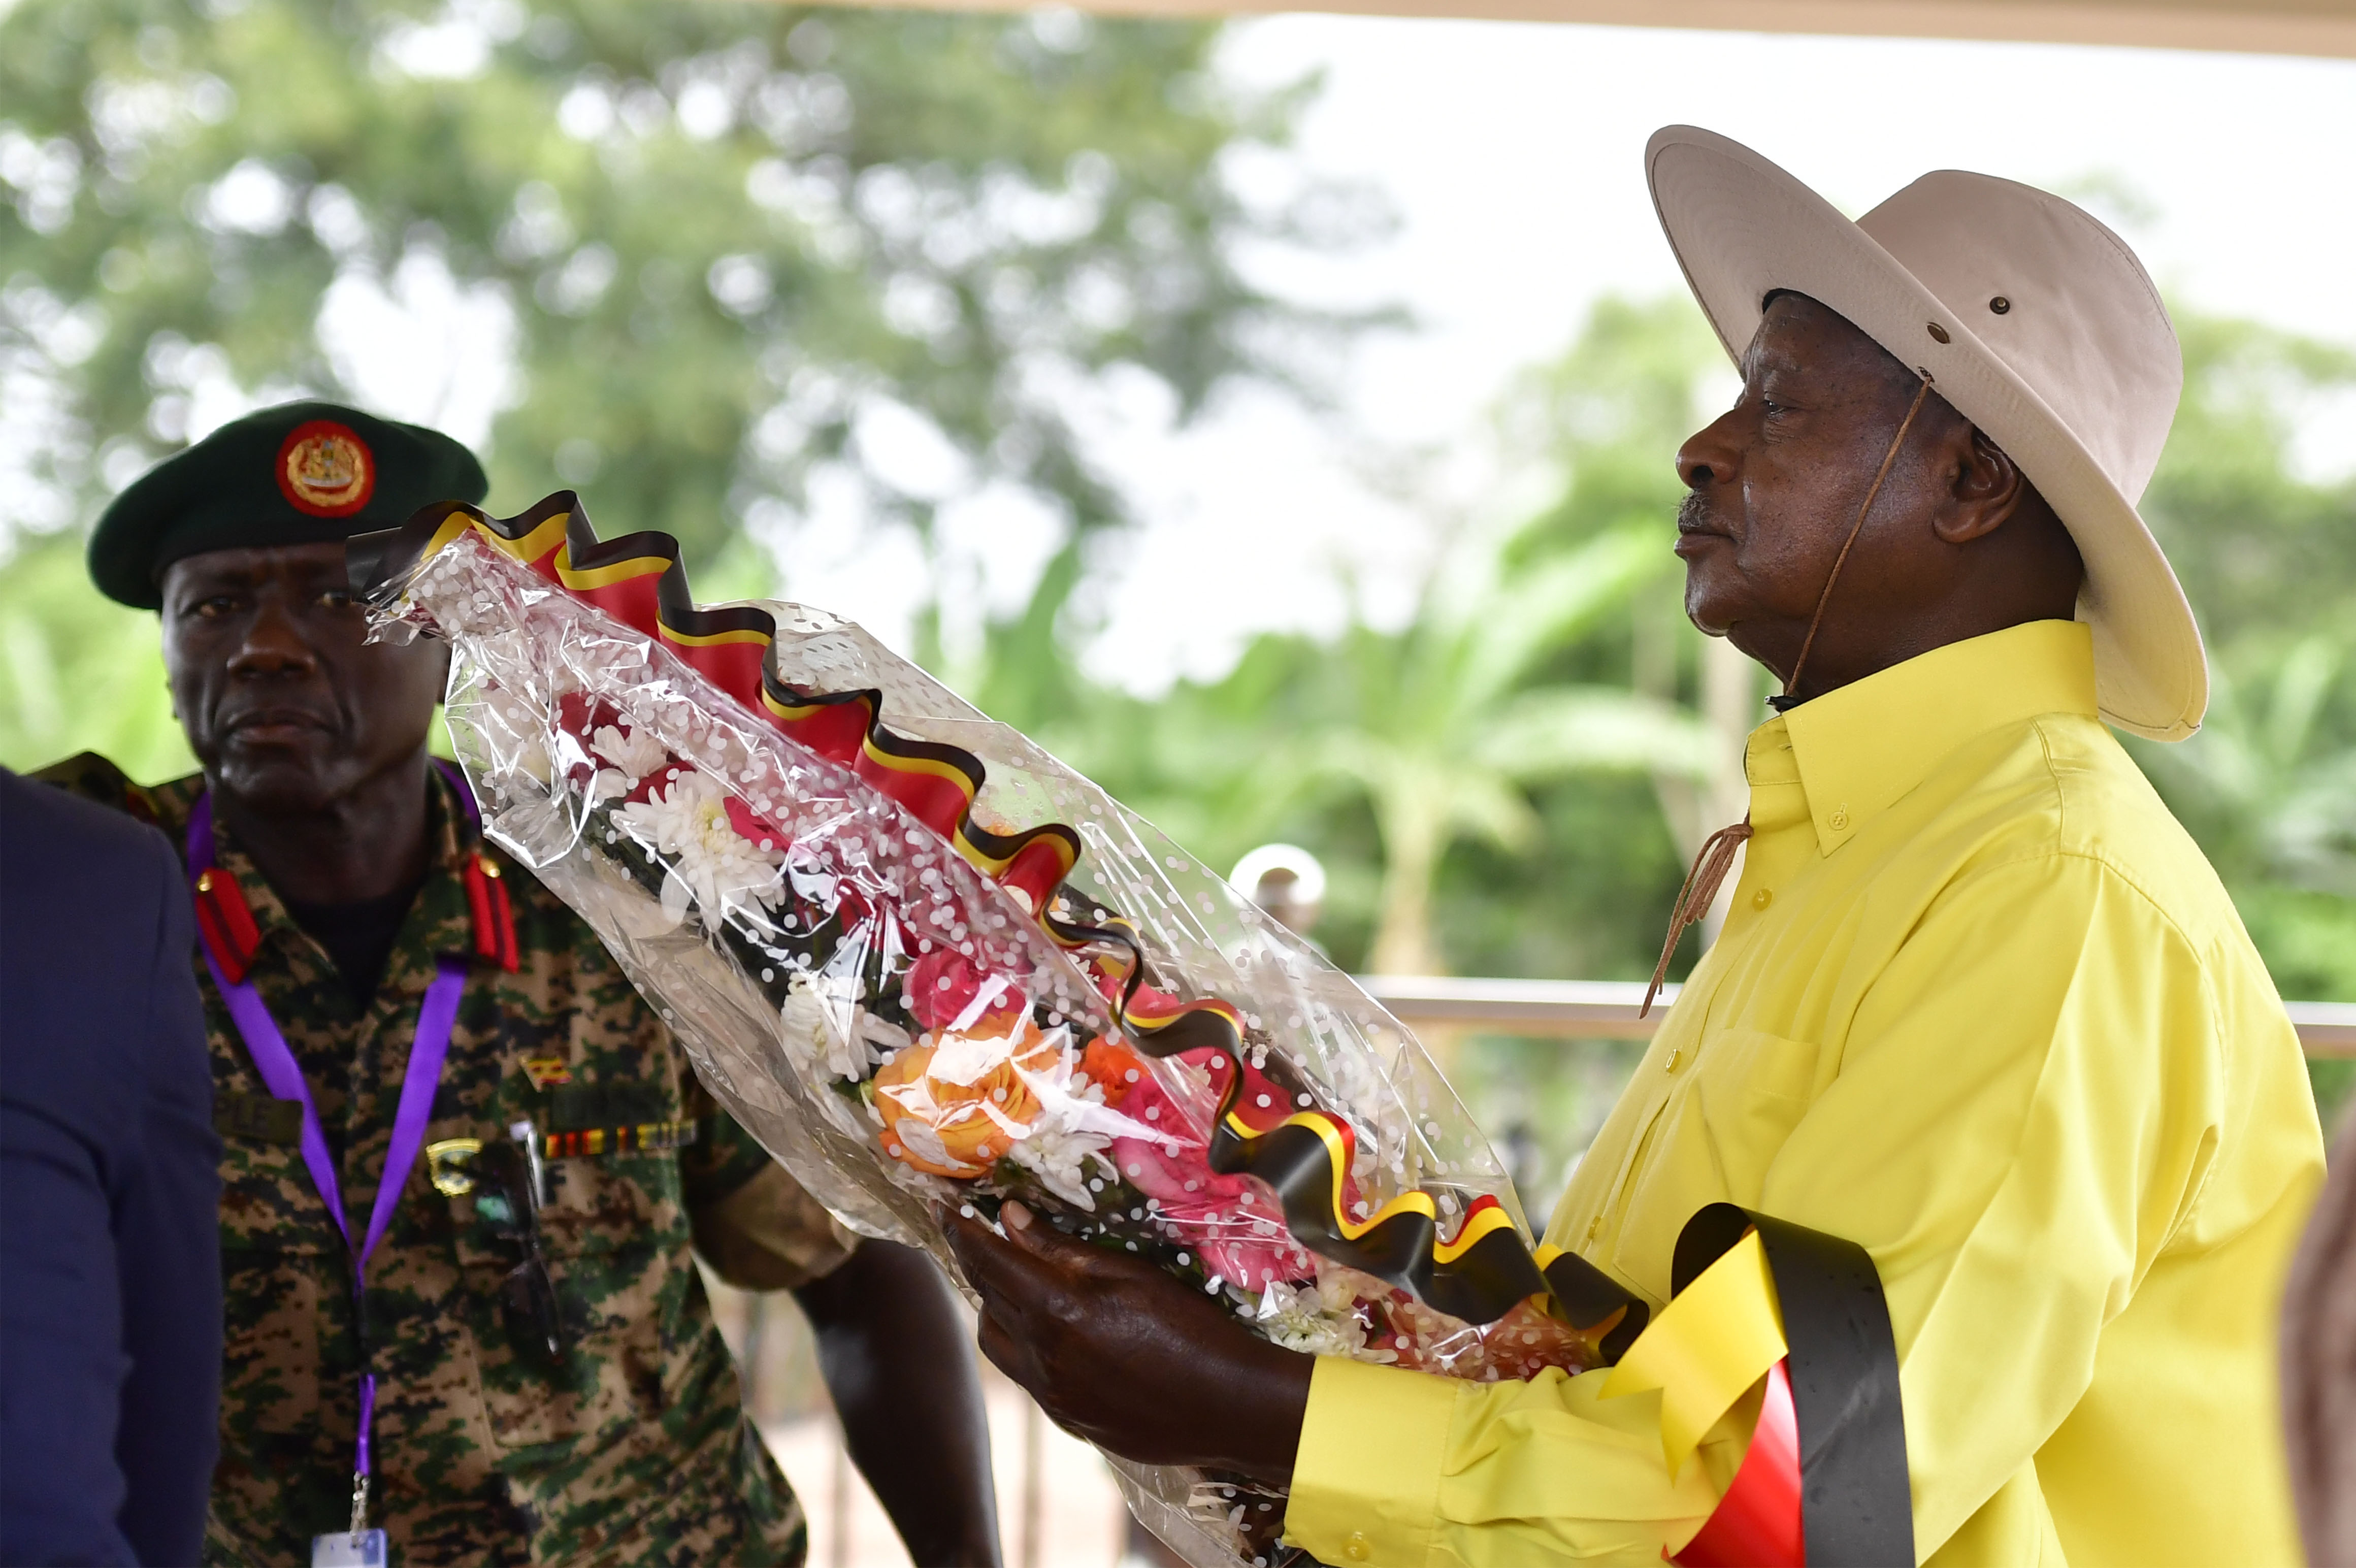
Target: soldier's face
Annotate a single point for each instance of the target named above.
(284, 701)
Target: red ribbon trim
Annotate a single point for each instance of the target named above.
(1757, 1524)
(637, 579)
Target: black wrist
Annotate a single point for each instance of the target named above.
(1271, 1390)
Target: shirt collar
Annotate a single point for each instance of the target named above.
(1861, 748)
(441, 914)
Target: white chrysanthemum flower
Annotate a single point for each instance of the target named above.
(710, 862)
(801, 1024)
(809, 1030)
(606, 784)
(635, 755)
(1060, 1144)
(882, 1038)
(512, 731)
(824, 1029)
(1317, 1316)
(1059, 1156)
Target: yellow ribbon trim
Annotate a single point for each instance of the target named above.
(529, 549)
(578, 578)
(947, 772)
(1715, 1339)
(789, 710)
(745, 635)
(1475, 1227)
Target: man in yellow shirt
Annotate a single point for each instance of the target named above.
(1979, 1005)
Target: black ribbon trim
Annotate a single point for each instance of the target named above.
(1857, 1508)
(1479, 1285)
(1589, 1297)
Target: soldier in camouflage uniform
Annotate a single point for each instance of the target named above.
(346, 869)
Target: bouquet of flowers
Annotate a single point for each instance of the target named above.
(925, 963)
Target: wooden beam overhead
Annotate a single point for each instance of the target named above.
(2325, 27)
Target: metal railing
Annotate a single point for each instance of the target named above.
(1606, 1009)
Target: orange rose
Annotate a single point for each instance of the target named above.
(953, 1103)
(1116, 1067)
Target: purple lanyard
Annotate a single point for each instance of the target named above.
(276, 1062)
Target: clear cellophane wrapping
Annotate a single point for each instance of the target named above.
(900, 1029)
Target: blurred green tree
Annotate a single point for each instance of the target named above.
(719, 232)
(82, 672)
(2268, 556)
(1490, 785)
(2269, 784)
(1441, 728)
(696, 257)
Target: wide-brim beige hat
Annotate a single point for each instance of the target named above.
(2033, 320)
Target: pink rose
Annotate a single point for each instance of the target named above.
(1234, 1221)
(1242, 1239)
(941, 984)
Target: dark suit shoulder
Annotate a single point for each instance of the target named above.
(90, 902)
(89, 777)
(90, 809)
(94, 778)
(104, 1057)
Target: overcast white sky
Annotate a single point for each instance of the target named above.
(1513, 155)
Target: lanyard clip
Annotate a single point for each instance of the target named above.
(359, 1501)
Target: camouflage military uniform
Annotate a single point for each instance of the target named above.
(636, 1450)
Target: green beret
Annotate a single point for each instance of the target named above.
(302, 473)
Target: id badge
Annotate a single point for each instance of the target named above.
(353, 1548)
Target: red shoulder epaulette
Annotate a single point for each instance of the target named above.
(226, 923)
(486, 899)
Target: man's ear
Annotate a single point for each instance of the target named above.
(1984, 493)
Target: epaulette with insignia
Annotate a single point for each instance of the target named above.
(225, 920)
(96, 780)
(494, 917)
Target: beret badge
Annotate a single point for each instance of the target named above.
(325, 469)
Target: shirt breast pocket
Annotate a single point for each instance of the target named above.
(1753, 1087)
(611, 1236)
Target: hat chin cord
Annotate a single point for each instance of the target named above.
(1715, 857)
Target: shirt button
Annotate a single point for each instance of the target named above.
(1764, 897)
(1357, 1549)
(1839, 821)
(1595, 1228)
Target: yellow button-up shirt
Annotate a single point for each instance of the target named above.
(1981, 1007)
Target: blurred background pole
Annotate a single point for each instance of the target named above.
(1286, 881)
(1034, 1490)
(756, 1315)
(839, 1501)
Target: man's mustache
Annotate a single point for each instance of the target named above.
(1694, 516)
